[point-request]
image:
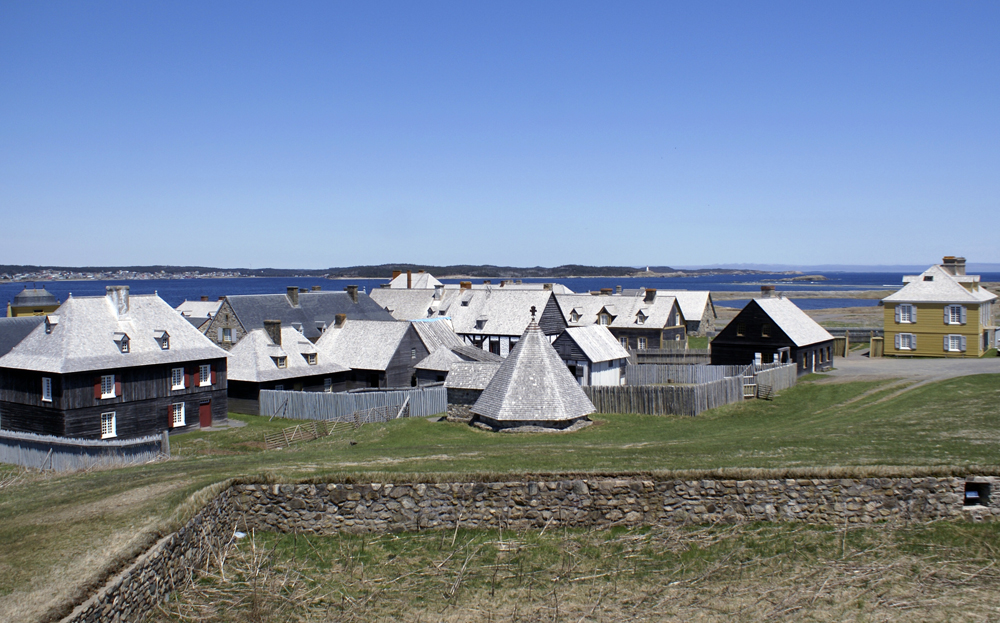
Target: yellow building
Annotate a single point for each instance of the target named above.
(941, 312)
(32, 302)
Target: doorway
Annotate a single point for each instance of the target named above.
(205, 414)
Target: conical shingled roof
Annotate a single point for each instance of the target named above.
(533, 385)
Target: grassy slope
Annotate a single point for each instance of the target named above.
(55, 530)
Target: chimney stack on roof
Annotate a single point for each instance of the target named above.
(396, 273)
(618, 289)
(273, 329)
(292, 292)
(465, 285)
(954, 265)
(317, 288)
(339, 320)
(650, 295)
(352, 291)
(547, 286)
(118, 297)
(606, 291)
(409, 279)
(438, 291)
(222, 298)
(767, 292)
(204, 298)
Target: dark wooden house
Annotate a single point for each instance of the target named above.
(378, 353)
(774, 330)
(113, 366)
(640, 320)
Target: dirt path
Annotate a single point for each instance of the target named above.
(858, 368)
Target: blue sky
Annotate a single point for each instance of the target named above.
(539, 133)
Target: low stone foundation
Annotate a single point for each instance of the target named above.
(525, 504)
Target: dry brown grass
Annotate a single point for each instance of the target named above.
(755, 572)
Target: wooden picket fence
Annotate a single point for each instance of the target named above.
(666, 399)
(342, 406)
(657, 374)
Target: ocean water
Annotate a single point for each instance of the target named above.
(808, 303)
(175, 291)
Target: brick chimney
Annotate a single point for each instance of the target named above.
(204, 298)
(606, 291)
(396, 273)
(650, 295)
(547, 287)
(317, 288)
(465, 285)
(118, 297)
(292, 292)
(273, 329)
(339, 320)
(618, 289)
(767, 292)
(954, 265)
(409, 279)
(352, 291)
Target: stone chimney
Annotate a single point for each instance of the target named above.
(547, 287)
(438, 291)
(352, 291)
(618, 289)
(650, 295)
(204, 299)
(766, 292)
(487, 282)
(118, 297)
(339, 320)
(606, 291)
(954, 265)
(317, 288)
(396, 273)
(465, 285)
(292, 292)
(409, 279)
(273, 329)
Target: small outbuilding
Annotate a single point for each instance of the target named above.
(533, 390)
(465, 384)
(592, 355)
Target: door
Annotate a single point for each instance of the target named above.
(205, 414)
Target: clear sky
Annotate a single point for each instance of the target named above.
(310, 135)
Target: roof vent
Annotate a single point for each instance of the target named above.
(51, 321)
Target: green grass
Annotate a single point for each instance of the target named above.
(58, 532)
(695, 341)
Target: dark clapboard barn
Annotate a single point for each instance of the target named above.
(112, 366)
(774, 330)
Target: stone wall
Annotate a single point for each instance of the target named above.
(329, 508)
(524, 504)
(163, 568)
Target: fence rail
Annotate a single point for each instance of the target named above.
(656, 374)
(777, 377)
(670, 355)
(63, 454)
(343, 406)
(666, 399)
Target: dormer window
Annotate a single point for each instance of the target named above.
(163, 339)
(281, 362)
(465, 303)
(51, 322)
(310, 358)
(928, 277)
(604, 319)
(640, 318)
(480, 324)
(574, 317)
(122, 340)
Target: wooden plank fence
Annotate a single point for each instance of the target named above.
(63, 454)
(656, 374)
(670, 355)
(666, 399)
(777, 376)
(420, 402)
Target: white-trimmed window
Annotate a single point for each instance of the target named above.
(227, 335)
(954, 343)
(310, 358)
(177, 413)
(281, 362)
(108, 386)
(954, 314)
(906, 341)
(642, 343)
(328, 385)
(46, 389)
(640, 318)
(604, 319)
(623, 341)
(177, 378)
(109, 427)
(205, 375)
(906, 314)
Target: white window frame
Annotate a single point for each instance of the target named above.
(623, 341)
(328, 385)
(955, 343)
(177, 414)
(310, 358)
(107, 386)
(109, 425)
(604, 320)
(46, 389)
(910, 341)
(954, 314)
(205, 375)
(227, 334)
(642, 344)
(177, 379)
(906, 315)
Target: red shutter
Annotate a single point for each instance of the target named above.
(170, 416)
(213, 376)
(187, 377)
(97, 388)
(197, 377)
(118, 385)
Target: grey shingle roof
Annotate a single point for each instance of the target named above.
(942, 288)
(437, 334)
(623, 309)
(252, 358)
(796, 324)
(533, 384)
(34, 297)
(597, 343)
(253, 309)
(84, 338)
(363, 344)
(13, 330)
(418, 281)
(693, 303)
(471, 374)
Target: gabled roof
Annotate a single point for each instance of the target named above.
(471, 374)
(437, 334)
(412, 304)
(597, 343)
(693, 303)
(533, 384)
(314, 308)
(497, 312)
(624, 310)
(363, 344)
(13, 330)
(446, 347)
(943, 287)
(252, 359)
(419, 281)
(794, 322)
(84, 338)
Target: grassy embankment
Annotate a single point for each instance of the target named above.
(59, 534)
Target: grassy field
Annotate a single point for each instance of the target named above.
(755, 572)
(62, 534)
